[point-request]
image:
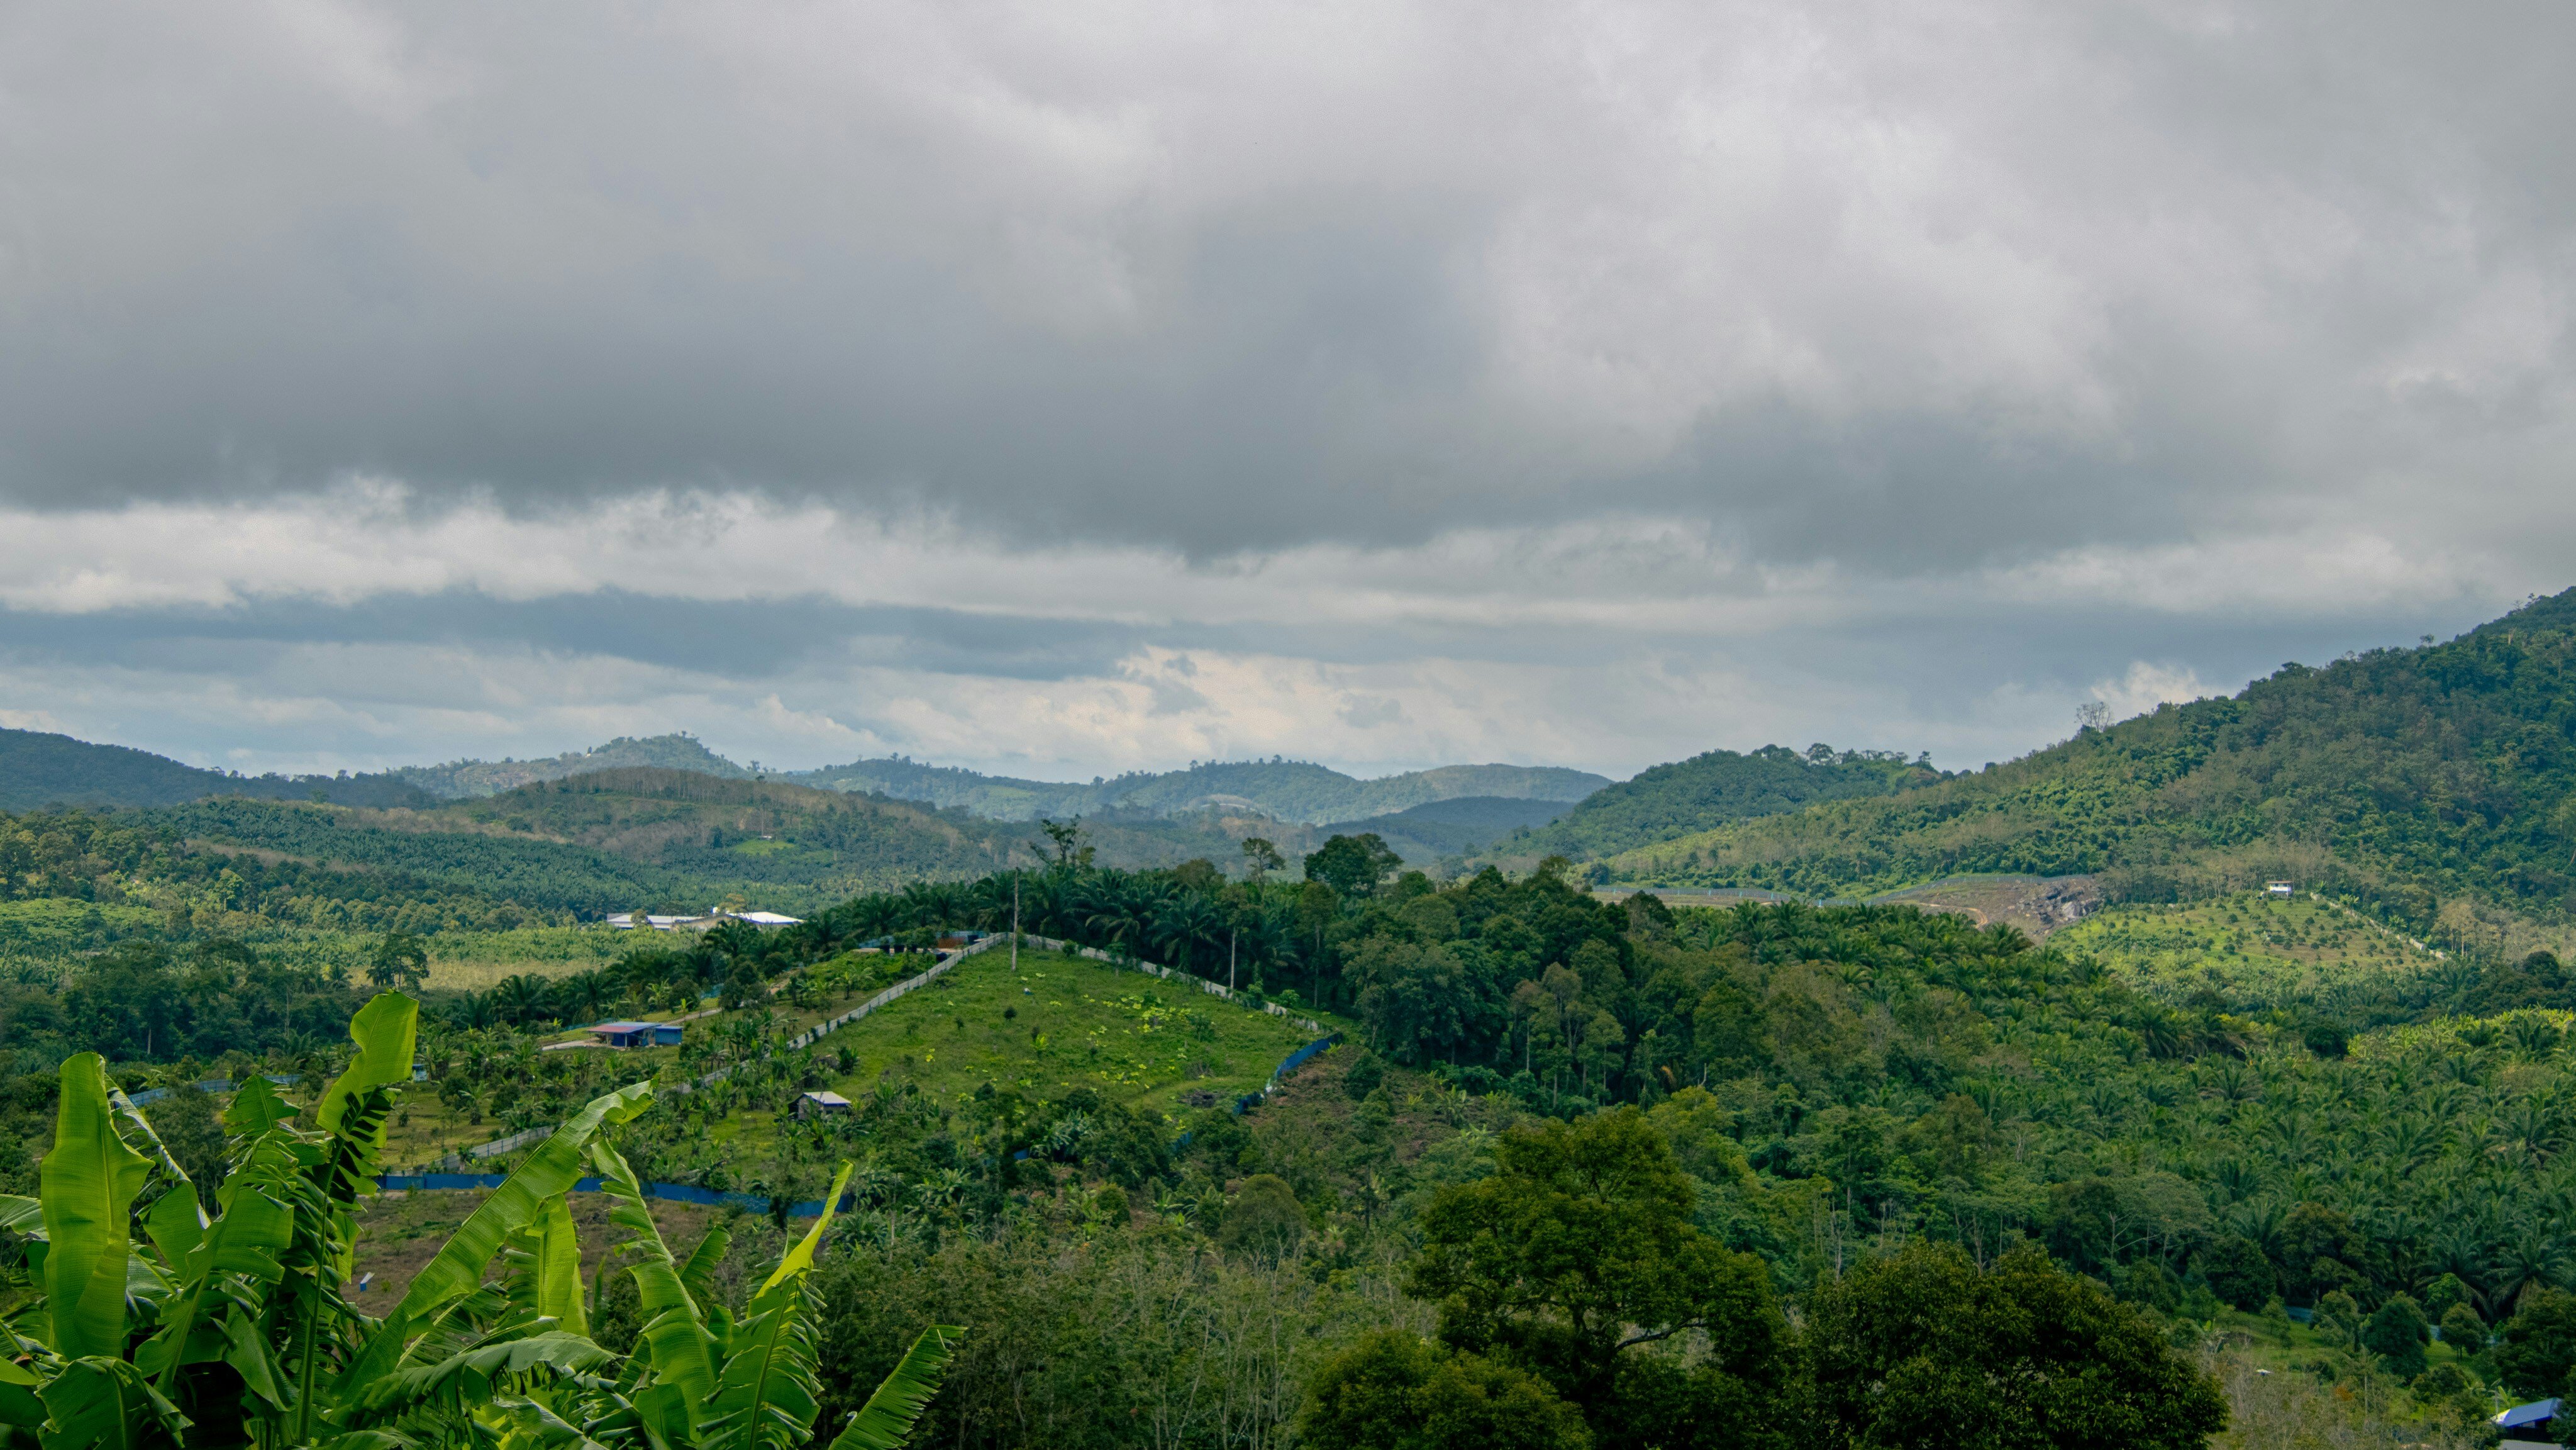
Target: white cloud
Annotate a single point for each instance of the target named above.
(1376, 381)
(2146, 686)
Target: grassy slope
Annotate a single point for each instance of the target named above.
(1076, 1023)
(2408, 775)
(1128, 1036)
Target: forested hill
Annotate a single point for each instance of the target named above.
(48, 770)
(1711, 790)
(1290, 790)
(465, 779)
(2411, 778)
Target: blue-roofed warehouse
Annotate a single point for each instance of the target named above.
(2529, 1424)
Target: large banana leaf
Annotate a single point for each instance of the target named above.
(22, 1214)
(385, 1031)
(546, 1257)
(256, 1108)
(675, 1334)
(698, 1275)
(138, 1129)
(104, 1404)
(888, 1418)
(769, 1394)
(799, 1259)
(88, 1185)
(457, 1269)
(19, 1407)
(474, 1376)
(244, 1242)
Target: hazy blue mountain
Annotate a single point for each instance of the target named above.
(46, 770)
(1425, 833)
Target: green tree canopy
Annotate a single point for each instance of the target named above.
(1578, 1257)
(1352, 865)
(1924, 1349)
(1391, 1391)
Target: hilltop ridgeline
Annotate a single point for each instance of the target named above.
(2417, 780)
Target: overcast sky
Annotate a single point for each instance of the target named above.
(1064, 388)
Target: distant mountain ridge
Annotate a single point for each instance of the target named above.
(466, 779)
(1290, 790)
(1168, 808)
(39, 769)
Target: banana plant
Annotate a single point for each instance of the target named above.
(232, 1330)
(701, 1381)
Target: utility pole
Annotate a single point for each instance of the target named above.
(1229, 960)
(1015, 921)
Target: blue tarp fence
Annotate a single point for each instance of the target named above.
(675, 1192)
(211, 1085)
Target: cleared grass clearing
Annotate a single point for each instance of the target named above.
(1064, 1022)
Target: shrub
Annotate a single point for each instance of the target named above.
(1264, 1219)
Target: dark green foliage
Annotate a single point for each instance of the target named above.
(2536, 1349)
(2422, 773)
(2237, 1272)
(2537, 980)
(2463, 1329)
(1364, 1075)
(1577, 1257)
(141, 1001)
(1923, 1349)
(2321, 1252)
(1392, 1391)
(2398, 1332)
(1352, 865)
(1707, 791)
(1264, 1218)
(188, 1126)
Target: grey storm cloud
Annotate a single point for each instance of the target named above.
(1899, 285)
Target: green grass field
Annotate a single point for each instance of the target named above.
(2247, 943)
(1065, 1022)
